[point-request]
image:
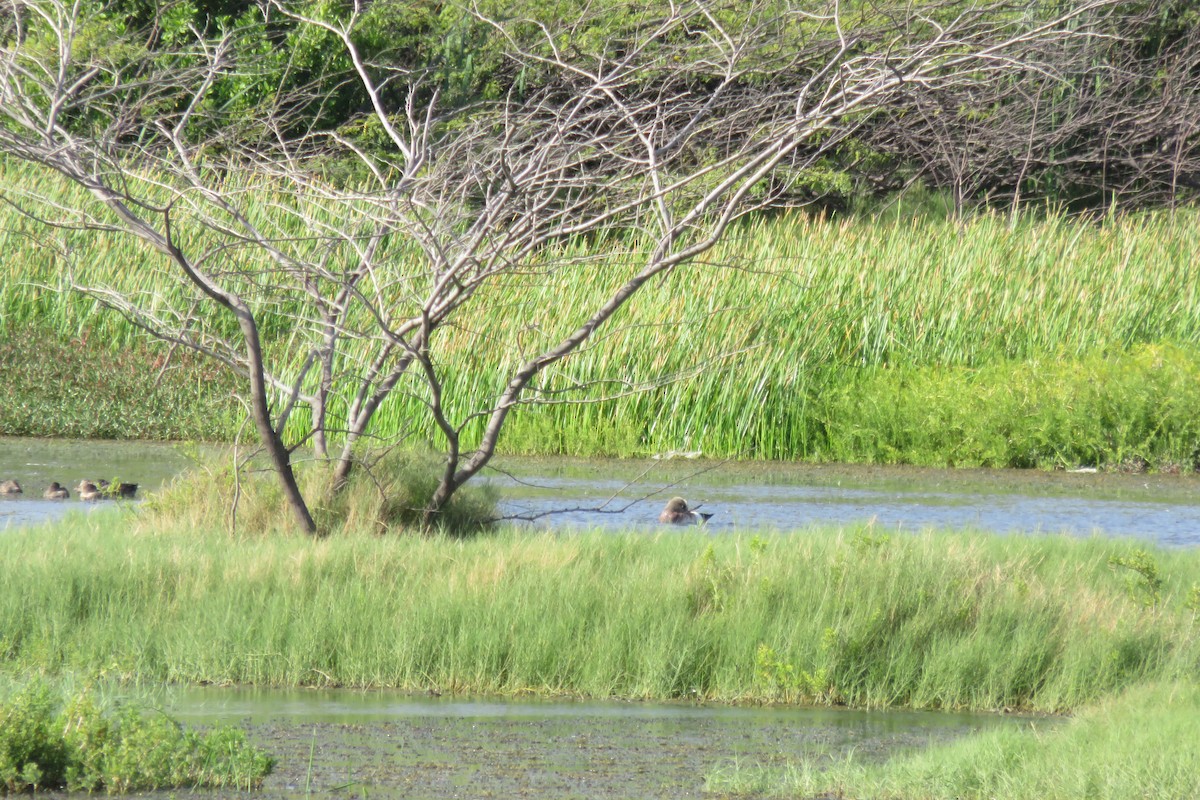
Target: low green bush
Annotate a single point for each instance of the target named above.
(80, 745)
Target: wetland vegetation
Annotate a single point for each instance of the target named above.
(877, 333)
(828, 616)
(1140, 743)
(1106, 630)
(1036, 340)
(79, 741)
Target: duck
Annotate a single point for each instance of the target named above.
(89, 491)
(56, 492)
(678, 513)
(10, 487)
(124, 490)
(101, 488)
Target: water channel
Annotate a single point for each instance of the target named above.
(624, 494)
(393, 745)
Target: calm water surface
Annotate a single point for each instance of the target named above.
(630, 493)
(386, 744)
(1163, 508)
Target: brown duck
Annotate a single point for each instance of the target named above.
(56, 492)
(89, 491)
(10, 487)
(678, 513)
(102, 489)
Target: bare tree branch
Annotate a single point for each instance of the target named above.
(673, 129)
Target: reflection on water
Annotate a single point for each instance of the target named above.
(395, 745)
(630, 493)
(349, 707)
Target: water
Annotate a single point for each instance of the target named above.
(35, 463)
(382, 744)
(387, 744)
(1161, 508)
(630, 493)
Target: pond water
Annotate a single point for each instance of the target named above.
(1163, 508)
(35, 463)
(386, 744)
(630, 493)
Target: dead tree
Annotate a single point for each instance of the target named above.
(1109, 117)
(358, 252)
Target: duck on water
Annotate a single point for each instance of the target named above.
(678, 513)
(103, 490)
(56, 492)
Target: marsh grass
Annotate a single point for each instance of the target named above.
(1141, 743)
(1128, 411)
(828, 616)
(857, 338)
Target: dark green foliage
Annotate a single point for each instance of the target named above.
(32, 752)
(80, 746)
(1143, 579)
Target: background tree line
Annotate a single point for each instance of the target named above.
(1108, 118)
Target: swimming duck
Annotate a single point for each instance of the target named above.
(125, 490)
(678, 513)
(10, 487)
(105, 489)
(56, 492)
(89, 491)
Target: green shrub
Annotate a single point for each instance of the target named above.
(80, 746)
(1144, 583)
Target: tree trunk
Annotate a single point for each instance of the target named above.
(261, 412)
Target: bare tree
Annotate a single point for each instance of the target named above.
(673, 129)
(1110, 117)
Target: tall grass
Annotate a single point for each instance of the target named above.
(830, 616)
(784, 321)
(1140, 744)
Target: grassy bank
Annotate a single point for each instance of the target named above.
(1140, 744)
(998, 341)
(827, 616)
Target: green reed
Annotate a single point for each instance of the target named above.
(822, 615)
(787, 313)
